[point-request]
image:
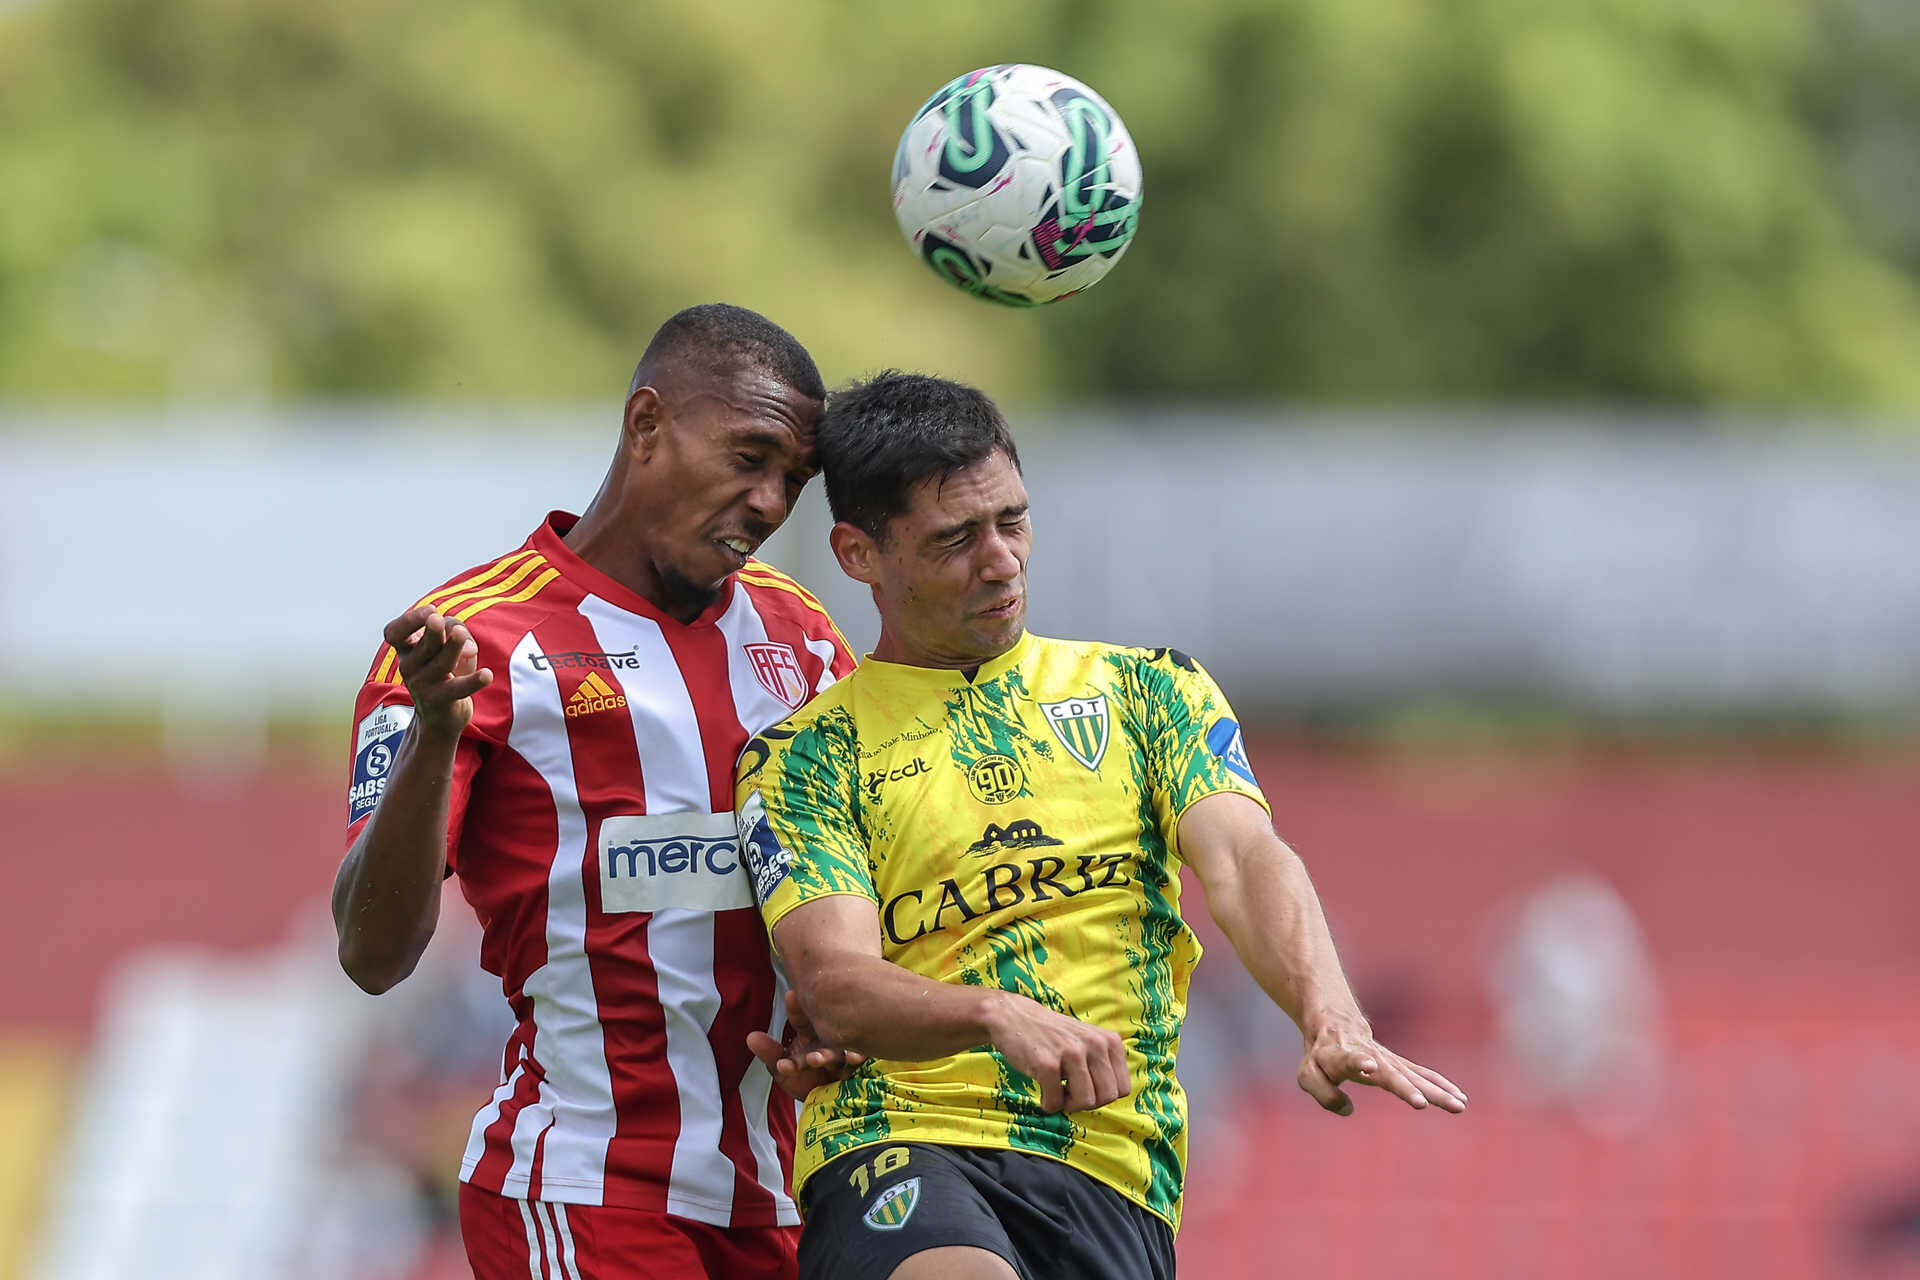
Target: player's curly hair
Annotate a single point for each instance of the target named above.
(881, 437)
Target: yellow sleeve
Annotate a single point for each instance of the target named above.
(1194, 745)
(797, 804)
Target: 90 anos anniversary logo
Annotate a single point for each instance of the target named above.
(996, 779)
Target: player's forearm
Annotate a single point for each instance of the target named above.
(1272, 916)
(386, 897)
(873, 1006)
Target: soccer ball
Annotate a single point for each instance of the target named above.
(1017, 184)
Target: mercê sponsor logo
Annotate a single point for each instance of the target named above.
(686, 861)
(673, 856)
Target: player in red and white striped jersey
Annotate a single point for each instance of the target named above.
(558, 728)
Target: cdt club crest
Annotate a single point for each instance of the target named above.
(1081, 726)
(777, 668)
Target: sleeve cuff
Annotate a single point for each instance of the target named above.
(784, 907)
(1173, 836)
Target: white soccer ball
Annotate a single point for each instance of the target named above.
(1017, 184)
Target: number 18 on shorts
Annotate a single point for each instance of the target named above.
(872, 1209)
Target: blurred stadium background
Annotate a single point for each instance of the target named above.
(1517, 406)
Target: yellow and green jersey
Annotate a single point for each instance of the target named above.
(1015, 830)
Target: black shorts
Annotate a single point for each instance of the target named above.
(872, 1209)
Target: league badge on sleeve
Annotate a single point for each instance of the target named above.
(375, 742)
(768, 860)
(1225, 741)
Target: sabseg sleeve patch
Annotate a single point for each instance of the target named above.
(375, 743)
(770, 861)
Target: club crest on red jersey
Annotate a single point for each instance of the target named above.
(777, 668)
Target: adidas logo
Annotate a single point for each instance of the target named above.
(594, 694)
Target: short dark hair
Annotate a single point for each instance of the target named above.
(720, 341)
(880, 438)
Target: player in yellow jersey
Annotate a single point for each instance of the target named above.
(968, 854)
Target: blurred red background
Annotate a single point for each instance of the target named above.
(1776, 890)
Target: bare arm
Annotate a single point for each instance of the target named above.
(1260, 895)
(864, 1003)
(386, 895)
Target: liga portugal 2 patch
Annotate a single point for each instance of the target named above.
(895, 1205)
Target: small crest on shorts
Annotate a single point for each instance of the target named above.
(777, 668)
(895, 1205)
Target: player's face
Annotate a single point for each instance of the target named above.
(727, 465)
(951, 578)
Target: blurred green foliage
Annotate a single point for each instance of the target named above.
(1672, 201)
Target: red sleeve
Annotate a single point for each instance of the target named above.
(381, 714)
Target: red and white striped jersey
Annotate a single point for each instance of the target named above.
(592, 831)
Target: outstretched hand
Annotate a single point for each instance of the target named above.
(804, 1062)
(1350, 1055)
